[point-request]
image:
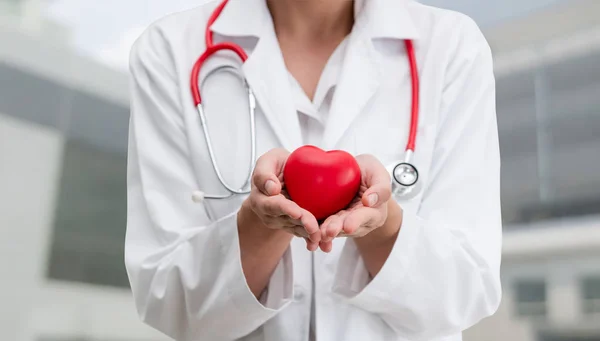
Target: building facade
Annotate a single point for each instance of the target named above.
(63, 138)
(548, 115)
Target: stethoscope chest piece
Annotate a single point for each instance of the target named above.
(405, 174)
(405, 179)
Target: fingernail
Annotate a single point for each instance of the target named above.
(270, 187)
(373, 199)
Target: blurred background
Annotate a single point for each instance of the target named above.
(63, 138)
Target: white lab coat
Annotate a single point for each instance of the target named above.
(183, 259)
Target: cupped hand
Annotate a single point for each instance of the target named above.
(367, 212)
(271, 204)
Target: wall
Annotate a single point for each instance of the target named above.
(561, 253)
(29, 165)
(73, 97)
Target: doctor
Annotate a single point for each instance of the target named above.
(335, 74)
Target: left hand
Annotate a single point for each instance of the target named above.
(367, 212)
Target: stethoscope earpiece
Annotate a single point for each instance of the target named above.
(198, 197)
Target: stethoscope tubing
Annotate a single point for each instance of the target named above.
(415, 91)
(212, 48)
(197, 97)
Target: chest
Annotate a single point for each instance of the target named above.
(306, 61)
(369, 113)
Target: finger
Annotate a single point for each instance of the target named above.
(299, 231)
(335, 227)
(324, 227)
(358, 218)
(325, 236)
(326, 246)
(266, 172)
(311, 226)
(377, 180)
(379, 190)
(290, 229)
(311, 246)
(278, 206)
(306, 223)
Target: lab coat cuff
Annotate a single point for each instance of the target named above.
(352, 281)
(280, 288)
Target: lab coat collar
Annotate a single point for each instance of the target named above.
(382, 18)
(266, 73)
(362, 69)
(386, 19)
(264, 69)
(242, 18)
(359, 80)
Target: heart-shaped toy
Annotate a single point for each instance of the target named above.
(321, 182)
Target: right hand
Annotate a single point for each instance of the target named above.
(271, 204)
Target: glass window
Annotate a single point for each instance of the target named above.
(15, 98)
(574, 119)
(548, 121)
(90, 217)
(518, 145)
(590, 292)
(530, 298)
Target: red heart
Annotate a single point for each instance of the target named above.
(322, 183)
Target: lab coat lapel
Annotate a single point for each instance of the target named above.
(267, 75)
(358, 82)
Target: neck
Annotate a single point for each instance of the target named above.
(312, 19)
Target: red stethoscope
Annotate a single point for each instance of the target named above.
(403, 173)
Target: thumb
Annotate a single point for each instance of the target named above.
(377, 180)
(272, 187)
(266, 171)
(376, 195)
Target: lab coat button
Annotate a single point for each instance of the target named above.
(299, 294)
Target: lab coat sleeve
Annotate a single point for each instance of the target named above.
(442, 275)
(185, 271)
